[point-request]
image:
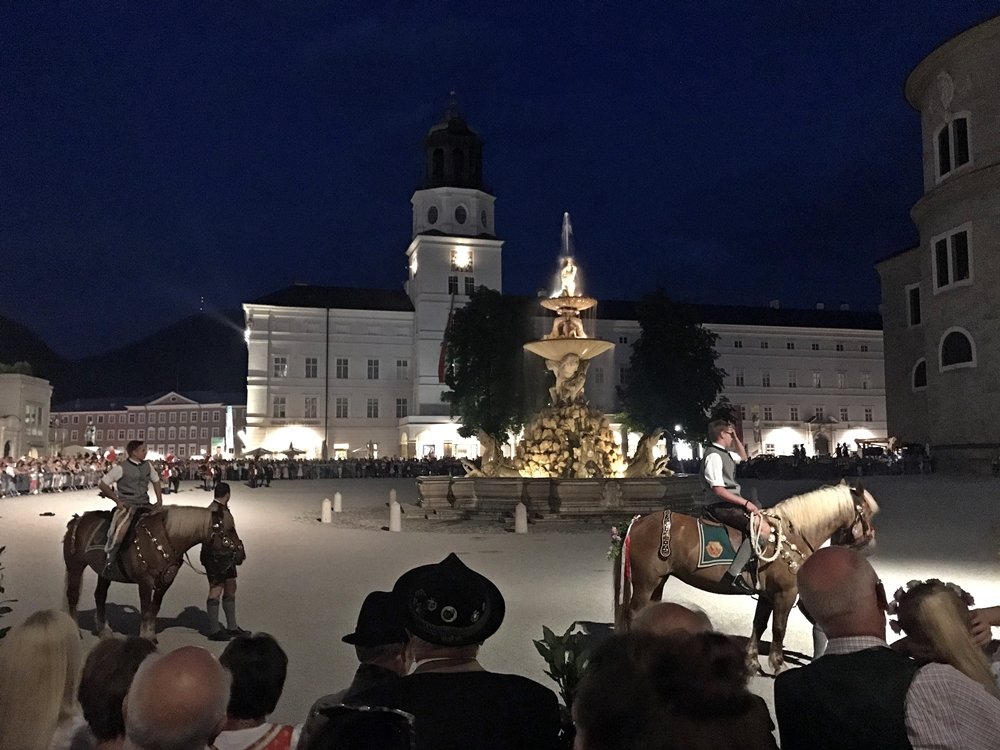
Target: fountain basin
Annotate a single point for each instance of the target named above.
(556, 349)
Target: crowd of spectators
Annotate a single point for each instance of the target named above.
(672, 682)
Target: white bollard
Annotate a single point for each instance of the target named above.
(325, 516)
(392, 496)
(395, 516)
(520, 519)
(338, 503)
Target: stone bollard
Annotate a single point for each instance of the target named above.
(392, 496)
(395, 516)
(325, 516)
(520, 519)
(338, 503)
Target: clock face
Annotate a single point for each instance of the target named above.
(432, 215)
(482, 217)
(461, 215)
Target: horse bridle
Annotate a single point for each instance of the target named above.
(867, 529)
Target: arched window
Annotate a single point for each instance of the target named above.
(458, 164)
(918, 377)
(437, 166)
(957, 349)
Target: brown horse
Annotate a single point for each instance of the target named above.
(659, 545)
(150, 556)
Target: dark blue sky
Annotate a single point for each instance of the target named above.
(731, 152)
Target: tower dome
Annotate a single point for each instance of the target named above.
(454, 153)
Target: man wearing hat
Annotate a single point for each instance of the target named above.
(450, 610)
(380, 642)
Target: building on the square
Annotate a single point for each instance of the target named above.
(24, 415)
(347, 372)
(941, 299)
(193, 423)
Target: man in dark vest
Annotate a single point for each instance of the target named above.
(861, 693)
(718, 474)
(131, 480)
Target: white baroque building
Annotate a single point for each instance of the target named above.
(342, 371)
(24, 415)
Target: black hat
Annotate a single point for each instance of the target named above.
(380, 621)
(449, 604)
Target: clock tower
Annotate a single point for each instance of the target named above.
(454, 248)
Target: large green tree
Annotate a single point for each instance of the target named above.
(672, 377)
(491, 387)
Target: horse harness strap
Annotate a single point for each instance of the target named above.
(157, 542)
(665, 535)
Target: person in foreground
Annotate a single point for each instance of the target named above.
(450, 610)
(177, 701)
(862, 694)
(685, 691)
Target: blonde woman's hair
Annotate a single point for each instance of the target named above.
(937, 621)
(39, 673)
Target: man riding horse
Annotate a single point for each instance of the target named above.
(718, 473)
(131, 480)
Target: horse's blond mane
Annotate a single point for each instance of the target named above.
(820, 511)
(187, 521)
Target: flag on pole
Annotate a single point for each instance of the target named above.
(442, 359)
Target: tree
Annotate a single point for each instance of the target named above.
(672, 378)
(489, 389)
(18, 368)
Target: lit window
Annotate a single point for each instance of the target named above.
(372, 409)
(277, 411)
(402, 408)
(769, 449)
(312, 367)
(342, 369)
(340, 406)
(310, 407)
(952, 260)
(279, 367)
(461, 259)
(373, 369)
(953, 145)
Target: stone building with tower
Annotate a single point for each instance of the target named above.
(941, 299)
(347, 372)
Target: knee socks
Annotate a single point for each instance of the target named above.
(741, 559)
(212, 607)
(229, 607)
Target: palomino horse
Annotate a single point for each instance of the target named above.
(659, 545)
(150, 556)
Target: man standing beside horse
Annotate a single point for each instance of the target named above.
(718, 473)
(131, 479)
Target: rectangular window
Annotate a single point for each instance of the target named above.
(216, 416)
(768, 414)
(204, 430)
(140, 434)
(869, 414)
(194, 416)
(960, 139)
(739, 376)
(161, 433)
(402, 369)
(793, 379)
(765, 379)
(738, 344)
(173, 416)
(817, 380)
(793, 413)
(310, 408)
(204, 416)
(181, 450)
(622, 375)
(277, 411)
(74, 435)
(598, 376)
(76, 419)
(402, 408)
(172, 433)
(182, 433)
(373, 369)
(866, 380)
(453, 285)
(215, 432)
(820, 413)
(470, 286)
(161, 420)
(743, 411)
(839, 347)
(342, 370)
(121, 434)
(763, 345)
(815, 347)
(372, 408)
(841, 379)
(913, 305)
(184, 416)
(789, 344)
(99, 435)
(131, 418)
(953, 145)
(279, 367)
(843, 414)
(623, 339)
(340, 406)
(312, 367)
(769, 449)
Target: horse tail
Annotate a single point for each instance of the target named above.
(69, 539)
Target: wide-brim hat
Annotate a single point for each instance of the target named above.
(449, 604)
(381, 621)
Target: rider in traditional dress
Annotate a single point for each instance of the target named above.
(131, 480)
(718, 473)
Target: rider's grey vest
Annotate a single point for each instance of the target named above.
(728, 472)
(133, 486)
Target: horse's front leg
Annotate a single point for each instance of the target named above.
(782, 607)
(147, 596)
(101, 628)
(760, 617)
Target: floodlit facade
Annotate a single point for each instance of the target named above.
(346, 372)
(24, 415)
(941, 299)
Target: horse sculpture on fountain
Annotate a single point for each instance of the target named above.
(150, 555)
(662, 544)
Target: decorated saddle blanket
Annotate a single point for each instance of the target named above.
(714, 545)
(99, 535)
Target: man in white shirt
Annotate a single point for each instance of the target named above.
(131, 479)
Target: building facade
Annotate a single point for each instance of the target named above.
(941, 299)
(342, 372)
(24, 415)
(182, 424)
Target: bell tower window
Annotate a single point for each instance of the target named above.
(432, 215)
(437, 166)
(461, 214)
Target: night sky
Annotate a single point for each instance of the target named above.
(155, 153)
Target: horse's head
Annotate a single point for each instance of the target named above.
(224, 545)
(860, 532)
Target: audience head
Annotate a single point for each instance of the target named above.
(643, 690)
(258, 666)
(842, 594)
(669, 618)
(177, 701)
(936, 621)
(107, 675)
(449, 605)
(39, 672)
(380, 636)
